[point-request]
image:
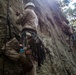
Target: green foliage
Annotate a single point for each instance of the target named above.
(70, 11)
(66, 2)
(74, 4)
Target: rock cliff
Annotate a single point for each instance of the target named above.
(60, 60)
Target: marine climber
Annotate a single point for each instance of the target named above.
(29, 22)
(13, 48)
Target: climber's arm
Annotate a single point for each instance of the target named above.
(21, 17)
(11, 48)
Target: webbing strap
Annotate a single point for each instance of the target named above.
(23, 39)
(24, 36)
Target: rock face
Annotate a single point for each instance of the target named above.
(61, 59)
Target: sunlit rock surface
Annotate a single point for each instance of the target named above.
(61, 59)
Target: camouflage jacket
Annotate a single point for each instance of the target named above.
(28, 19)
(12, 49)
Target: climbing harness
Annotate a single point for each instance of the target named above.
(37, 48)
(32, 44)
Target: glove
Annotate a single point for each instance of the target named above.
(17, 13)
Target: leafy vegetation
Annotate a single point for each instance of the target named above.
(69, 9)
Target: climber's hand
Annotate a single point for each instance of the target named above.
(17, 13)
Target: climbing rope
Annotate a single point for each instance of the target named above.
(8, 24)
